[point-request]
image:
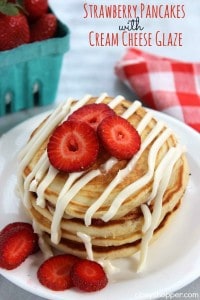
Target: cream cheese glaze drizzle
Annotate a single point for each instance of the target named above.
(161, 169)
(108, 266)
(157, 207)
(52, 172)
(38, 172)
(45, 248)
(147, 217)
(31, 180)
(157, 179)
(119, 177)
(87, 242)
(132, 188)
(36, 141)
(59, 115)
(43, 174)
(64, 200)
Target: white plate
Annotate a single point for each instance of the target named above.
(173, 260)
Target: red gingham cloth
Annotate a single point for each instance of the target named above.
(164, 84)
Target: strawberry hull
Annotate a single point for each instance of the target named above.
(30, 73)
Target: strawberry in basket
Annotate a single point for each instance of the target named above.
(22, 22)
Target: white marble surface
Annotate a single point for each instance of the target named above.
(91, 70)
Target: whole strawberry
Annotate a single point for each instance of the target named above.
(43, 28)
(14, 28)
(35, 8)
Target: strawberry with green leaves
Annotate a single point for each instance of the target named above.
(14, 28)
(25, 21)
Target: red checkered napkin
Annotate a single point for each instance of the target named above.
(164, 84)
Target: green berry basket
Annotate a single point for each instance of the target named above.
(29, 74)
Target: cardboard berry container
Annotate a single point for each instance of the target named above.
(29, 74)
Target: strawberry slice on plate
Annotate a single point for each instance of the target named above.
(16, 244)
(88, 276)
(8, 228)
(73, 147)
(54, 273)
(119, 137)
(93, 114)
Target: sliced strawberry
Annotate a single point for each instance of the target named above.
(16, 244)
(119, 137)
(43, 28)
(88, 276)
(93, 114)
(10, 226)
(18, 225)
(73, 147)
(54, 273)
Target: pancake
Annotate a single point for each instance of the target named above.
(116, 207)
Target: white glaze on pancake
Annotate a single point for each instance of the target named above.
(76, 181)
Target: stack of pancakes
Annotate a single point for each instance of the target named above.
(118, 234)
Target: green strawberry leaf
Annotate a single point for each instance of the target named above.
(3, 2)
(9, 9)
(20, 5)
(20, 2)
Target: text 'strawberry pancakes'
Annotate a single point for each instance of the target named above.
(115, 207)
